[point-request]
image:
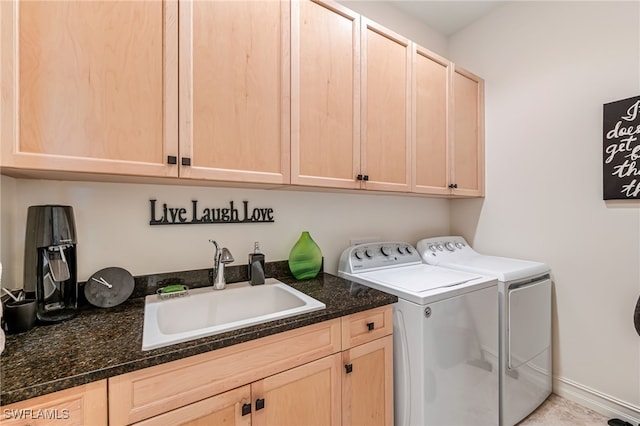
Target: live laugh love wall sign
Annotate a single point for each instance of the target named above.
(621, 150)
(198, 214)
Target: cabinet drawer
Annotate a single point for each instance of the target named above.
(223, 409)
(366, 326)
(82, 405)
(145, 393)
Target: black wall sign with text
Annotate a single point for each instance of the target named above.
(621, 150)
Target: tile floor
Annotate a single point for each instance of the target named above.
(558, 411)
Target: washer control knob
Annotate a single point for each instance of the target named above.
(358, 254)
(449, 246)
(368, 253)
(385, 250)
(439, 247)
(459, 245)
(408, 250)
(432, 248)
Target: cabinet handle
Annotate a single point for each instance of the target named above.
(348, 368)
(172, 159)
(246, 409)
(453, 185)
(186, 161)
(259, 404)
(371, 326)
(359, 177)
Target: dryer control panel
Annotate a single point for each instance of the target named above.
(436, 250)
(378, 255)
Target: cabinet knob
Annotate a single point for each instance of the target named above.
(259, 404)
(371, 326)
(348, 368)
(365, 178)
(453, 185)
(359, 177)
(172, 159)
(186, 161)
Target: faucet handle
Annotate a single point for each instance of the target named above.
(226, 256)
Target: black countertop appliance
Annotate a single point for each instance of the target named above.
(50, 268)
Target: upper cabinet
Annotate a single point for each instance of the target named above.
(325, 95)
(431, 88)
(89, 86)
(234, 90)
(386, 120)
(302, 92)
(350, 93)
(467, 174)
(448, 116)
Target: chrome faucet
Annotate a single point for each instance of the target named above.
(221, 258)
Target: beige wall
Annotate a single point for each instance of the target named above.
(112, 222)
(549, 67)
(385, 14)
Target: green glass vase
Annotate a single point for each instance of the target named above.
(305, 258)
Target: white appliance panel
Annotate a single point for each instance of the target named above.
(446, 365)
(455, 253)
(500, 267)
(528, 322)
(524, 320)
(419, 278)
(445, 342)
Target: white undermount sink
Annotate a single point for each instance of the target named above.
(205, 311)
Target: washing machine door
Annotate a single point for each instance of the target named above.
(529, 322)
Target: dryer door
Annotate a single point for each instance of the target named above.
(528, 322)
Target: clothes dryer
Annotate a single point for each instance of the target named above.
(445, 335)
(524, 289)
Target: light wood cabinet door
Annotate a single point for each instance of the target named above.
(234, 90)
(367, 385)
(431, 88)
(152, 391)
(386, 105)
(89, 86)
(224, 409)
(467, 174)
(81, 405)
(325, 95)
(306, 395)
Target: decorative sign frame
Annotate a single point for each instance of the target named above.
(196, 215)
(621, 150)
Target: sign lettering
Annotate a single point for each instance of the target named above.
(621, 149)
(196, 214)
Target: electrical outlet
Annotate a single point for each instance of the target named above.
(355, 241)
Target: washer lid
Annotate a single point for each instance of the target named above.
(505, 269)
(418, 278)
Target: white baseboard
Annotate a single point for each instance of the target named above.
(597, 401)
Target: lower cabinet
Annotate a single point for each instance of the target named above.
(81, 405)
(367, 387)
(338, 372)
(367, 358)
(305, 395)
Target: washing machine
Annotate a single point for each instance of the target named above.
(524, 289)
(445, 341)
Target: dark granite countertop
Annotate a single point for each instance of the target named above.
(101, 343)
